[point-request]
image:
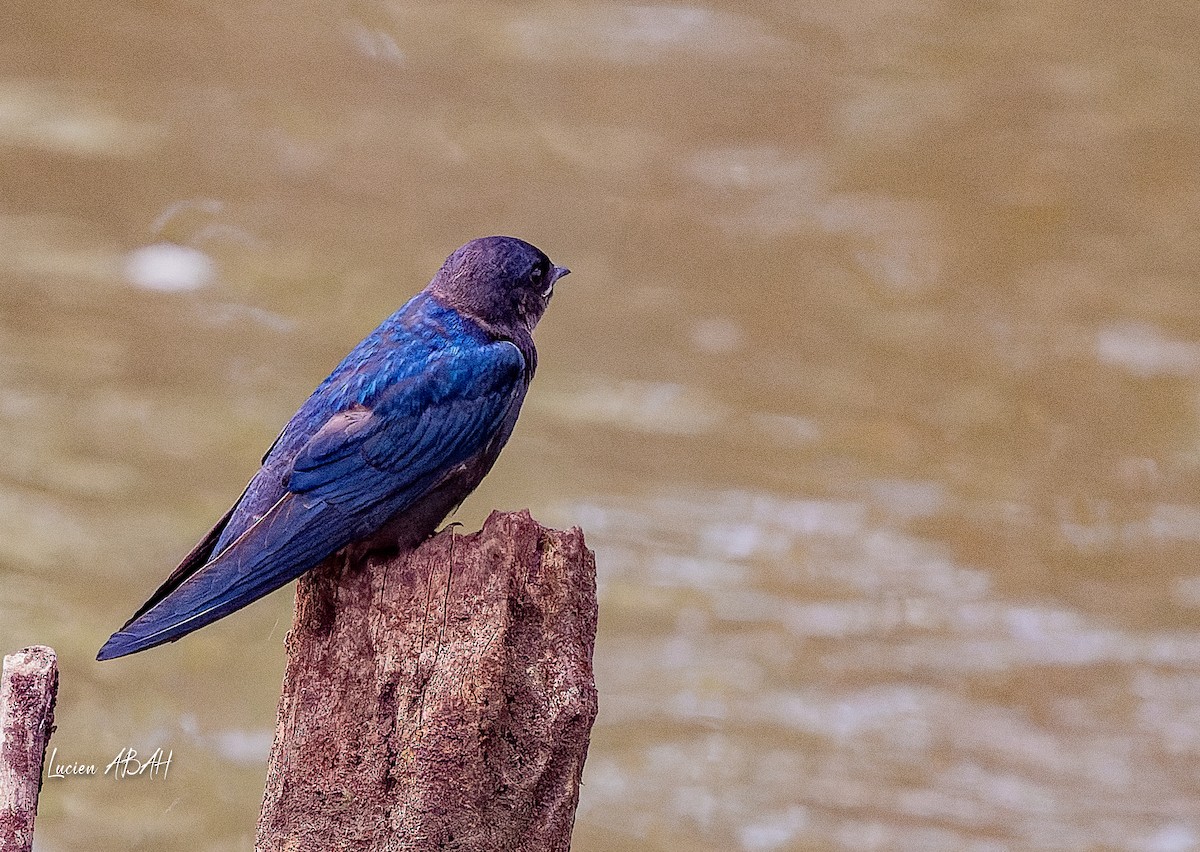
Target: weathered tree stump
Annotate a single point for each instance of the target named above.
(439, 700)
(28, 689)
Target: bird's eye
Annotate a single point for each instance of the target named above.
(536, 276)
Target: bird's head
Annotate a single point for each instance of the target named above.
(502, 282)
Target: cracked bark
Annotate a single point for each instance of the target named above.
(28, 690)
(442, 699)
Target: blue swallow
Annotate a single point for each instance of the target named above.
(388, 445)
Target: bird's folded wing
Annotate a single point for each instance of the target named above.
(413, 434)
(362, 466)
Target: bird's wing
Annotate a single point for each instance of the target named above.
(362, 466)
(413, 434)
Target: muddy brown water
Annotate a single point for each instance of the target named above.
(876, 388)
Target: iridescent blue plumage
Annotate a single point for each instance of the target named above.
(397, 435)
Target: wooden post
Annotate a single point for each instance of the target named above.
(442, 699)
(28, 689)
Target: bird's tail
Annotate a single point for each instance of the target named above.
(291, 538)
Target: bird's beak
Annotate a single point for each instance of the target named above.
(560, 272)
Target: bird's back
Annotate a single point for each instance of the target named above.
(399, 349)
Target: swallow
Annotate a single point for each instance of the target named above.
(391, 442)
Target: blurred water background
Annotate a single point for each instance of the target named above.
(876, 388)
